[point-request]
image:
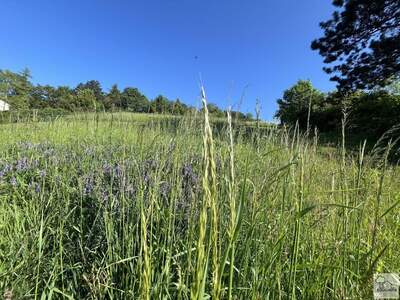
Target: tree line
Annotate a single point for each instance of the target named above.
(21, 94)
(369, 113)
(361, 49)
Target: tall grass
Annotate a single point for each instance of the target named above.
(122, 207)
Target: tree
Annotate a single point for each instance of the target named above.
(16, 88)
(134, 101)
(85, 99)
(249, 116)
(95, 87)
(298, 102)
(64, 98)
(374, 113)
(159, 105)
(361, 43)
(42, 96)
(113, 98)
(214, 110)
(238, 115)
(21, 94)
(178, 108)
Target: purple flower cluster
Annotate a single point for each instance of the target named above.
(118, 171)
(22, 164)
(189, 189)
(165, 190)
(44, 148)
(112, 171)
(107, 183)
(89, 151)
(149, 166)
(107, 169)
(13, 181)
(88, 185)
(42, 173)
(26, 145)
(35, 187)
(130, 190)
(7, 168)
(105, 196)
(22, 170)
(189, 181)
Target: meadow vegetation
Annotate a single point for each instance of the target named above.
(124, 206)
(112, 195)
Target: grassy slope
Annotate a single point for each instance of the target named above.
(107, 207)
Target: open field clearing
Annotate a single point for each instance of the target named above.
(120, 179)
(102, 208)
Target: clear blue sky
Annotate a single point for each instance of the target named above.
(257, 47)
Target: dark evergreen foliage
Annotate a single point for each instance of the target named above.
(361, 43)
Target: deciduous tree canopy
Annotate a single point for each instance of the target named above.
(21, 94)
(370, 114)
(297, 101)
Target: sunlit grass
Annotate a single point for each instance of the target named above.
(123, 206)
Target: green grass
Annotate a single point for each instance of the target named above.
(128, 206)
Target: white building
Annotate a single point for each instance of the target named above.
(4, 106)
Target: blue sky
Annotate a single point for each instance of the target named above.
(252, 48)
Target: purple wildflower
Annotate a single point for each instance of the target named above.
(146, 179)
(89, 151)
(130, 190)
(165, 190)
(150, 165)
(189, 178)
(171, 148)
(107, 169)
(48, 152)
(118, 171)
(88, 186)
(35, 186)
(105, 196)
(26, 145)
(22, 164)
(13, 181)
(7, 168)
(189, 187)
(57, 179)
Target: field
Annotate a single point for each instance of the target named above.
(128, 206)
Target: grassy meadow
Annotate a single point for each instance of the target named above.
(128, 206)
